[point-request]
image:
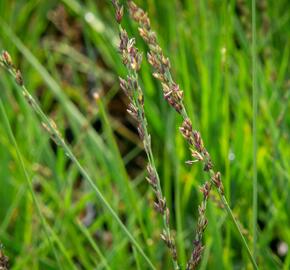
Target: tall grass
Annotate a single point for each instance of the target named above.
(51, 128)
(66, 68)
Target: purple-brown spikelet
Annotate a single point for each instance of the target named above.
(201, 226)
(6, 60)
(119, 11)
(132, 60)
(156, 58)
(174, 96)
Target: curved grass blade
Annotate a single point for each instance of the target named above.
(29, 183)
(55, 135)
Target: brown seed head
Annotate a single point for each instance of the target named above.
(160, 205)
(186, 130)
(119, 14)
(205, 189)
(119, 11)
(195, 256)
(217, 181)
(18, 78)
(152, 178)
(7, 58)
(139, 15)
(124, 39)
(198, 143)
(123, 85)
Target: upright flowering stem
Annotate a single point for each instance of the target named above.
(132, 60)
(51, 128)
(174, 96)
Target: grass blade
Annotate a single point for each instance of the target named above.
(254, 127)
(55, 135)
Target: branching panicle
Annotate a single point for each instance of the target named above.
(201, 226)
(50, 127)
(174, 96)
(156, 58)
(132, 59)
(195, 256)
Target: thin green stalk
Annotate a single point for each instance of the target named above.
(29, 183)
(164, 218)
(151, 161)
(229, 211)
(55, 135)
(174, 97)
(254, 127)
(87, 234)
(132, 60)
(77, 120)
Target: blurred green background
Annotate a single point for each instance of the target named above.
(67, 51)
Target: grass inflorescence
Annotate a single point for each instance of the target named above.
(174, 96)
(132, 60)
(162, 143)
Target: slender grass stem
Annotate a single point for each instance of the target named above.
(103, 261)
(29, 183)
(132, 60)
(55, 135)
(151, 161)
(174, 97)
(254, 127)
(236, 224)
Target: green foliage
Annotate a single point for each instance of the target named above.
(67, 54)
